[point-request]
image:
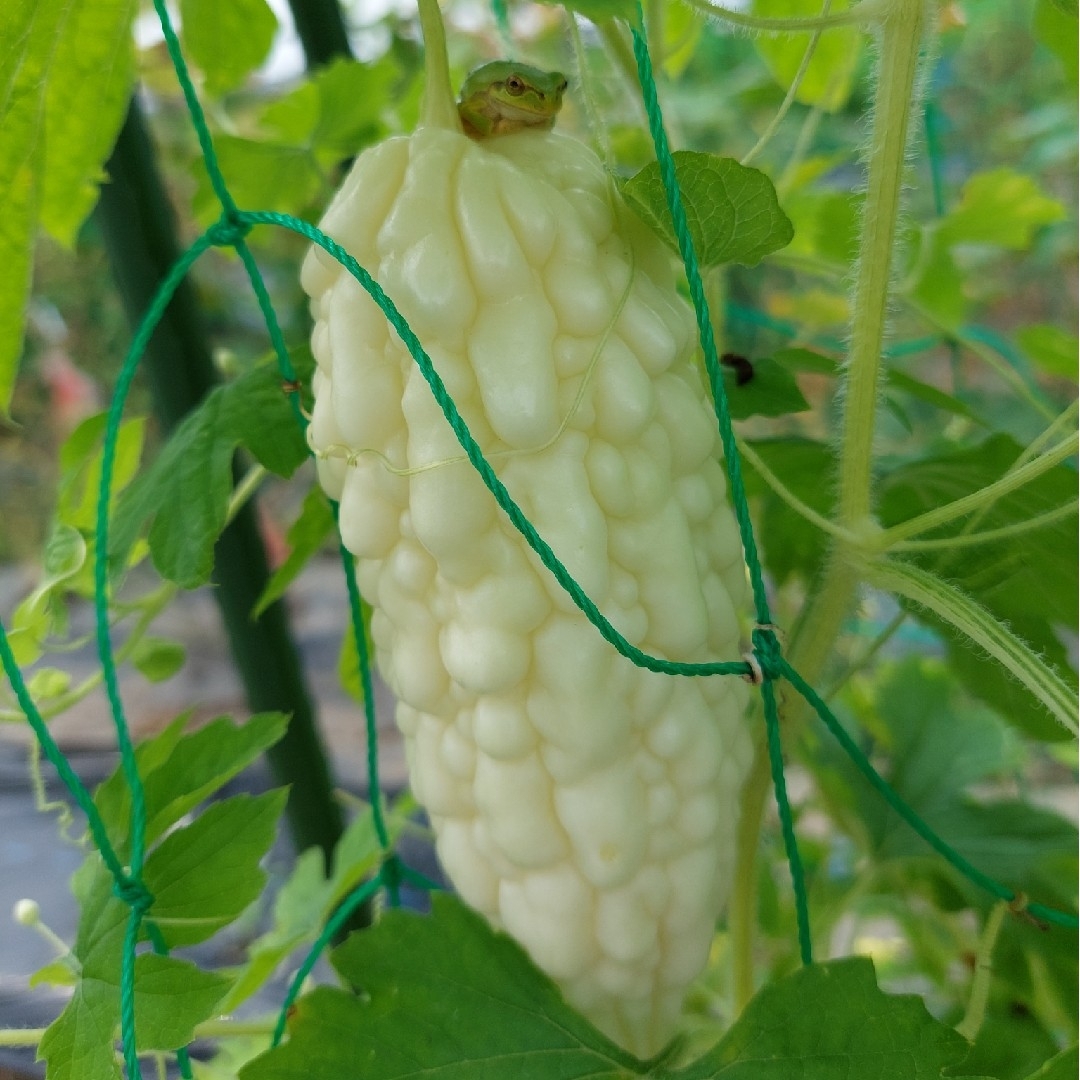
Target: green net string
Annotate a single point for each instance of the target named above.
(768, 663)
(765, 642)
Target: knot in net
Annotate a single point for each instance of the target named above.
(229, 230)
(133, 893)
(766, 660)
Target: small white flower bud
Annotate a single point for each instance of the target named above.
(27, 912)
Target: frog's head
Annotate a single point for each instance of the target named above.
(504, 96)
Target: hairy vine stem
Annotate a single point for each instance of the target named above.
(900, 34)
(901, 37)
(900, 40)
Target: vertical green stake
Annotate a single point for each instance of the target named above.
(321, 30)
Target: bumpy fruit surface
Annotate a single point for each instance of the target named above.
(585, 805)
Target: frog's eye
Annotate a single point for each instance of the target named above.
(515, 85)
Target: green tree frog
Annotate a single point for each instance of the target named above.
(503, 97)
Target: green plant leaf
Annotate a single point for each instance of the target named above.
(48, 683)
(1028, 582)
(90, 83)
(1011, 1043)
(1001, 207)
(446, 997)
(940, 286)
(292, 118)
(1034, 989)
(933, 746)
(255, 411)
(348, 665)
(306, 536)
(64, 558)
(179, 771)
(600, 10)
(732, 210)
(261, 175)
(80, 460)
(65, 76)
(790, 544)
(357, 854)
(186, 490)
(158, 659)
(1063, 1066)
(830, 1021)
(830, 76)
(806, 360)
(1055, 27)
(923, 391)
(202, 876)
(307, 899)
(683, 27)
(62, 972)
(1053, 349)
(64, 554)
(171, 996)
(772, 391)
(825, 223)
(78, 1042)
(186, 494)
(298, 911)
(31, 26)
(228, 39)
(352, 98)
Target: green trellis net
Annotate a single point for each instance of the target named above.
(763, 666)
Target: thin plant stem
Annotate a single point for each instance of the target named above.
(879, 642)
(1011, 481)
(588, 98)
(225, 1028)
(867, 11)
(1064, 421)
(970, 1026)
(789, 97)
(53, 938)
(620, 51)
(777, 486)
(798, 152)
(742, 909)
(987, 536)
(21, 1036)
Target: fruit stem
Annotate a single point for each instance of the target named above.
(439, 108)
